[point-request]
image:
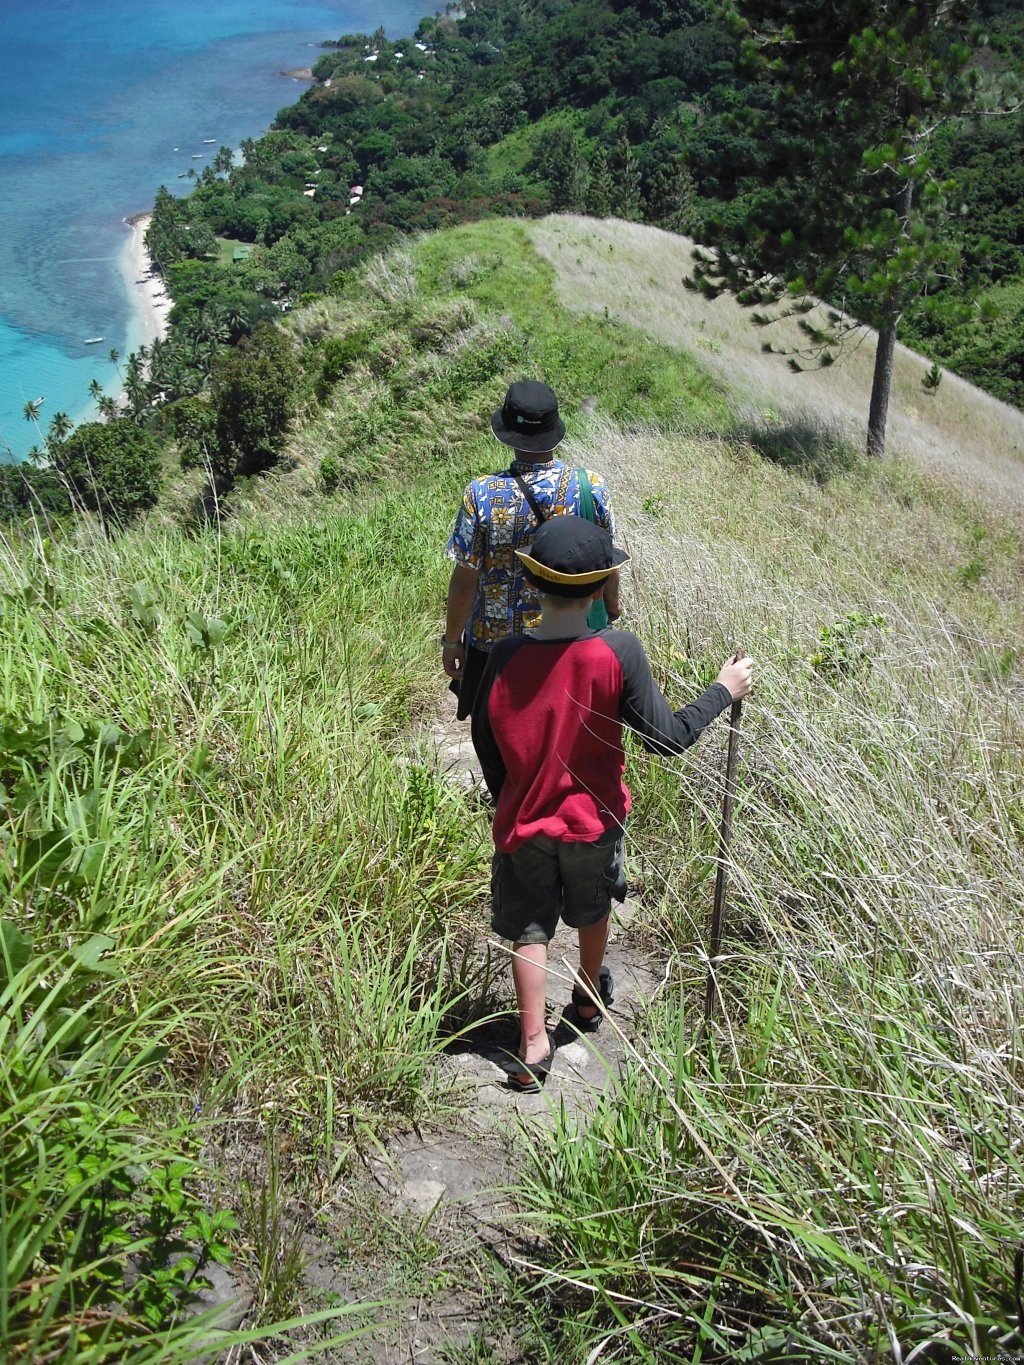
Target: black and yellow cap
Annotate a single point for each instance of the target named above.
(570, 556)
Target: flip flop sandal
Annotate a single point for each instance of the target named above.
(592, 1023)
(515, 1068)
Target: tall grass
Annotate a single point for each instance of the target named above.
(205, 764)
(104, 1237)
(832, 1170)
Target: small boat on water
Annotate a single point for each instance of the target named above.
(209, 141)
(197, 156)
(92, 341)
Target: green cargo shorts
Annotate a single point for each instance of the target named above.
(545, 880)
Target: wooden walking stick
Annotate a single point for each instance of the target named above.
(724, 836)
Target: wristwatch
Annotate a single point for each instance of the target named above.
(449, 644)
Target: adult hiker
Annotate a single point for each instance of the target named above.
(488, 596)
(547, 727)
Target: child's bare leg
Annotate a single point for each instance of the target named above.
(593, 938)
(529, 972)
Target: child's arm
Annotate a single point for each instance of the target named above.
(645, 711)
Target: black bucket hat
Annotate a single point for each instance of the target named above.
(528, 419)
(570, 557)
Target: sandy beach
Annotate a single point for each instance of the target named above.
(145, 286)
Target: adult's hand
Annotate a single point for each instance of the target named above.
(453, 657)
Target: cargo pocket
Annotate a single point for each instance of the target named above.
(613, 880)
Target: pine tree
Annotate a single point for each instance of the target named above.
(558, 159)
(672, 198)
(601, 188)
(626, 177)
(844, 206)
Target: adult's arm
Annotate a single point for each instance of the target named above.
(606, 518)
(462, 590)
(603, 513)
(644, 708)
(611, 597)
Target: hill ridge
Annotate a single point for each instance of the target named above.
(634, 272)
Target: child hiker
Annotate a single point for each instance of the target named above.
(547, 728)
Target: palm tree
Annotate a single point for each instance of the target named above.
(107, 407)
(30, 411)
(95, 390)
(114, 356)
(237, 318)
(137, 392)
(223, 161)
(188, 379)
(197, 351)
(159, 354)
(213, 325)
(61, 426)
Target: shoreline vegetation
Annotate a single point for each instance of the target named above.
(150, 302)
(476, 117)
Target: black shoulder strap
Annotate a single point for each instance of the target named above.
(527, 493)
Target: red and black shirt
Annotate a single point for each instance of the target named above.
(547, 728)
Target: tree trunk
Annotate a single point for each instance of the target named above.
(881, 381)
(881, 386)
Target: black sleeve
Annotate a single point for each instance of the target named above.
(646, 712)
(491, 762)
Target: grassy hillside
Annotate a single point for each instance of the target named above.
(635, 273)
(246, 914)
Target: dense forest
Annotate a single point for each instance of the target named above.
(595, 107)
(645, 111)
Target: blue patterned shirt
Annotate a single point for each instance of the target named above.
(494, 521)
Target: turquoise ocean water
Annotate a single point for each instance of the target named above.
(95, 96)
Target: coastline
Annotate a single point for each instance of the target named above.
(150, 303)
(144, 286)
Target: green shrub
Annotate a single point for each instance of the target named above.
(112, 468)
(194, 424)
(972, 572)
(847, 646)
(932, 378)
(330, 473)
(26, 490)
(340, 354)
(254, 396)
